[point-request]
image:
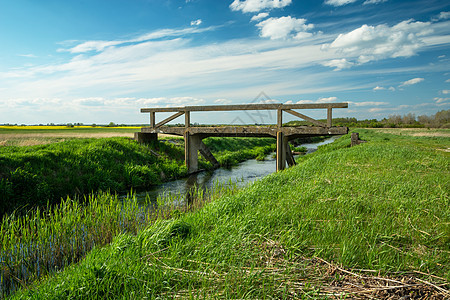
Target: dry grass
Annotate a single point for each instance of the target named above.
(31, 139)
(415, 131)
(307, 278)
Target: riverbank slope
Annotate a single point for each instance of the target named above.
(32, 176)
(368, 220)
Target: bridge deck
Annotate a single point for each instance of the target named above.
(249, 131)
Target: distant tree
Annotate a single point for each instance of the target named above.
(425, 120)
(442, 118)
(395, 119)
(111, 124)
(409, 118)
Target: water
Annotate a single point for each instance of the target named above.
(242, 174)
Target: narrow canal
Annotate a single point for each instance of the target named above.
(241, 175)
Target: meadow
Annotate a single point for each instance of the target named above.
(360, 222)
(42, 174)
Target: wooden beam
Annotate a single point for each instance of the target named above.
(169, 119)
(249, 131)
(281, 151)
(302, 116)
(152, 119)
(279, 118)
(187, 119)
(206, 153)
(272, 106)
(329, 116)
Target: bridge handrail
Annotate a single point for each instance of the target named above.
(272, 106)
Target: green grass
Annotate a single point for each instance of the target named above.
(382, 205)
(35, 245)
(36, 175)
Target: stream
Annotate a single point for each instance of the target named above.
(241, 175)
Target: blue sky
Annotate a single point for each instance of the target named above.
(99, 61)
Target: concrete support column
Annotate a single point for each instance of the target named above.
(191, 147)
(281, 151)
(144, 137)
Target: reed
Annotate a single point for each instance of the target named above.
(43, 241)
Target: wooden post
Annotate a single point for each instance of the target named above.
(329, 117)
(355, 139)
(281, 151)
(289, 157)
(279, 118)
(152, 119)
(187, 119)
(191, 147)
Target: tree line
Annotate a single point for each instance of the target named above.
(439, 120)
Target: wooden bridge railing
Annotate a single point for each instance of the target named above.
(193, 135)
(186, 110)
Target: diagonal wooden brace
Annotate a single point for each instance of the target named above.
(306, 118)
(169, 119)
(206, 153)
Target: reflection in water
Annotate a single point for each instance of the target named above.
(240, 175)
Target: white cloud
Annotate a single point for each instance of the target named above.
(338, 64)
(378, 88)
(368, 103)
(99, 46)
(196, 22)
(284, 27)
(327, 100)
(27, 55)
(412, 81)
(258, 5)
(259, 16)
(339, 2)
(374, 1)
(222, 101)
(392, 89)
(445, 92)
(441, 100)
(369, 43)
(320, 100)
(444, 15)
(448, 80)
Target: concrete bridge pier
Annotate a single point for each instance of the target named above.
(192, 145)
(145, 137)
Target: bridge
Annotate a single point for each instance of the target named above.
(193, 135)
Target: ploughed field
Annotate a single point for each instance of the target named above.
(357, 222)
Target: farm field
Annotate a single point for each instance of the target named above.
(38, 135)
(371, 221)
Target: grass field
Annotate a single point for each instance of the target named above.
(39, 135)
(371, 221)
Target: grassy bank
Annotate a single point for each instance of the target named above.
(37, 175)
(379, 209)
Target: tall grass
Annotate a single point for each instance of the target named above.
(36, 175)
(382, 206)
(35, 245)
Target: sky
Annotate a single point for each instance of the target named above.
(100, 61)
